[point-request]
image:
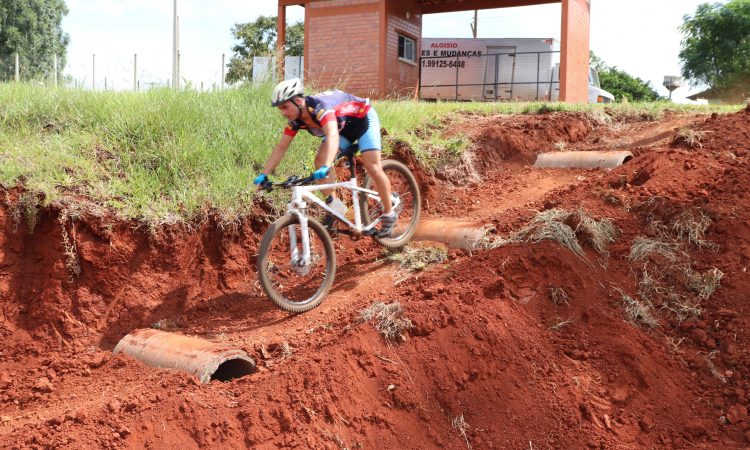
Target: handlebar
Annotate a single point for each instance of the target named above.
(292, 181)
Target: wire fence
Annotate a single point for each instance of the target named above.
(491, 76)
(137, 72)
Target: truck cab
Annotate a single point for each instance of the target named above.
(596, 93)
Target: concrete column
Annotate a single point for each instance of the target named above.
(574, 55)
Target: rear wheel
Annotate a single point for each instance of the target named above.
(403, 185)
(289, 283)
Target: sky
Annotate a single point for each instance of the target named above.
(640, 37)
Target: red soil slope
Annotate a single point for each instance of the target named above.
(489, 348)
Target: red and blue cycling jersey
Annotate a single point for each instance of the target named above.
(349, 111)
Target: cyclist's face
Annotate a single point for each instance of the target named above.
(289, 110)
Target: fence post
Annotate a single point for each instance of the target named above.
(18, 77)
(223, 68)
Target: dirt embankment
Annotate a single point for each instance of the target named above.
(521, 334)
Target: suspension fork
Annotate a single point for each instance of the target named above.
(296, 207)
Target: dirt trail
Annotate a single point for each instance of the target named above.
(489, 353)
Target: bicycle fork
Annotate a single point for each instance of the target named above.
(299, 262)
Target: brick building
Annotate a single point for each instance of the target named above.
(370, 47)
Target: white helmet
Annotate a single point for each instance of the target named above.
(287, 90)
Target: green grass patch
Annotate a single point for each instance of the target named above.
(166, 156)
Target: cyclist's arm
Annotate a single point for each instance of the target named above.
(331, 144)
(278, 153)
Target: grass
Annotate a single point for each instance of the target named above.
(418, 257)
(389, 320)
(165, 156)
(642, 247)
(562, 226)
(638, 312)
(689, 137)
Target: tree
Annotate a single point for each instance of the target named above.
(716, 46)
(32, 29)
(621, 84)
(259, 39)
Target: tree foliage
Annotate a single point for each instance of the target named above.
(716, 46)
(32, 28)
(621, 84)
(258, 38)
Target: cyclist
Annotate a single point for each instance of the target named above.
(340, 119)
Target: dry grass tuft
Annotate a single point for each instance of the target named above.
(704, 284)
(642, 247)
(460, 424)
(389, 320)
(689, 137)
(692, 225)
(562, 226)
(417, 257)
(558, 296)
(638, 313)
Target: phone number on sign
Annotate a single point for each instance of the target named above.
(441, 63)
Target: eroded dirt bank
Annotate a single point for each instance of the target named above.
(521, 346)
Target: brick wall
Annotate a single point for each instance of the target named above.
(344, 45)
(574, 57)
(401, 78)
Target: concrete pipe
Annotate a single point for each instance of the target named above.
(463, 235)
(204, 359)
(582, 160)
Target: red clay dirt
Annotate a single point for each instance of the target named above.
(491, 361)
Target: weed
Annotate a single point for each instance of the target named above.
(555, 225)
(462, 427)
(692, 225)
(689, 137)
(714, 371)
(600, 233)
(643, 247)
(69, 248)
(389, 320)
(561, 323)
(561, 146)
(638, 312)
(558, 296)
(704, 284)
(414, 258)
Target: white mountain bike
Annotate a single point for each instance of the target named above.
(296, 261)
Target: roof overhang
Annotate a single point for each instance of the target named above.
(443, 6)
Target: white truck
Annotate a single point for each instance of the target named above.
(495, 69)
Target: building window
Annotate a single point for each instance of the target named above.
(407, 48)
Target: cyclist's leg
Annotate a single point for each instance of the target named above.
(370, 147)
(331, 178)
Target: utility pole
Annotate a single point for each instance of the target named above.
(223, 68)
(174, 44)
(93, 71)
(54, 70)
(135, 72)
(474, 25)
(18, 73)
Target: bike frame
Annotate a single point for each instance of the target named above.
(298, 205)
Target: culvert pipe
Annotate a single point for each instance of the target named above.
(463, 235)
(582, 160)
(203, 359)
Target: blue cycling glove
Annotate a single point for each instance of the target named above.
(320, 173)
(260, 179)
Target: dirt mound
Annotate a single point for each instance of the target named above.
(639, 346)
(518, 139)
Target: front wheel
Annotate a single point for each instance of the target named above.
(404, 186)
(291, 283)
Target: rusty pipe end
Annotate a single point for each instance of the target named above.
(203, 359)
